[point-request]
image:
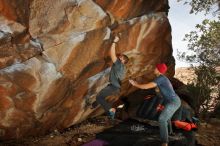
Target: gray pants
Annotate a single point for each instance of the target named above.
(105, 92)
(165, 116)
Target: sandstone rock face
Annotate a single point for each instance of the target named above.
(54, 56)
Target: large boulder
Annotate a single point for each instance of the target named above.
(54, 56)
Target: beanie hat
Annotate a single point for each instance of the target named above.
(162, 68)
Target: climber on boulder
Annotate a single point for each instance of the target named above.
(117, 74)
(171, 99)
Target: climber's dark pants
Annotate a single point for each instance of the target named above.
(105, 92)
(165, 116)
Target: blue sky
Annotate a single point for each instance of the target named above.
(182, 23)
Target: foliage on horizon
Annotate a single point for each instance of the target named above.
(203, 5)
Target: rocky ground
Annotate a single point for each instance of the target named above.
(118, 133)
(73, 136)
(209, 133)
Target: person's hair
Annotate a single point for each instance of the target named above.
(125, 58)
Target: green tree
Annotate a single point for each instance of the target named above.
(203, 5)
(204, 90)
(204, 44)
(204, 54)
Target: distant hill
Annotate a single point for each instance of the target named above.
(185, 74)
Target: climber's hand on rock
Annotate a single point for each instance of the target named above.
(116, 39)
(133, 82)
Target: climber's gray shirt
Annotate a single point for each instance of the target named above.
(117, 73)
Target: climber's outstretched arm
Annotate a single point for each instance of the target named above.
(143, 86)
(112, 50)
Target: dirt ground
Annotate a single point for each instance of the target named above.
(207, 135)
(73, 136)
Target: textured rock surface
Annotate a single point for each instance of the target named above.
(54, 55)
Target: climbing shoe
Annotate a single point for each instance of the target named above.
(111, 115)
